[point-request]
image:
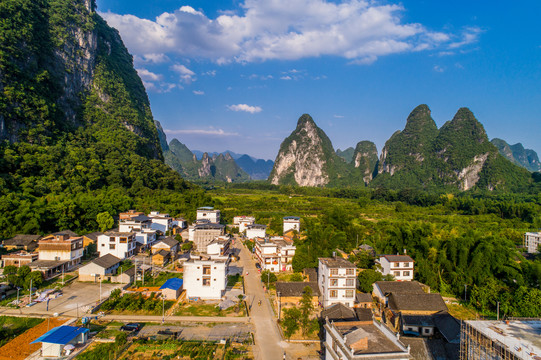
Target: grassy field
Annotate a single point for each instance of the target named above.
(200, 309)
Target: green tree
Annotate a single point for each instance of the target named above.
(105, 221)
(36, 277)
(290, 321)
(10, 270)
(296, 277)
(306, 308)
(367, 278)
(268, 278)
(187, 246)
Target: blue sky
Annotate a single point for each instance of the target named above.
(238, 74)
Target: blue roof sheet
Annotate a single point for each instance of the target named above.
(173, 283)
(60, 335)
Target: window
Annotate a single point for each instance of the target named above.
(406, 273)
(349, 293)
(123, 240)
(350, 282)
(350, 271)
(206, 270)
(112, 239)
(334, 282)
(396, 264)
(206, 281)
(334, 271)
(333, 293)
(427, 331)
(111, 246)
(397, 273)
(406, 264)
(102, 244)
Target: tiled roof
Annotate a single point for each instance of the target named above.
(106, 261)
(337, 262)
(398, 258)
(22, 240)
(416, 302)
(399, 287)
(339, 312)
(169, 241)
(363, 297)
(296, 288)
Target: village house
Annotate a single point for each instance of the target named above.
(19, 258)
(208, 213)
(290, 293)
(363, 300)
(168, 244)
(205, 278)
(292, 223)
(399, 266)
(204, 234)
(256, 230)
(119, 244)
(172, 288)
(161, 257)
(134, 223)
(275, 254)
(100, 269)
(243, 221)
(129, 214)
(91, 238)
(354, 339)
(219, 247)
(22, 242)
(337, 281)
(532, 240)
(61, 247)
(54, 341)
(160, 222)
(382, 289)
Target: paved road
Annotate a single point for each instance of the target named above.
(267, 337)
(158, 318)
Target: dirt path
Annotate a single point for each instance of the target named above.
(20, 347)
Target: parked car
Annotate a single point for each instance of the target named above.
(257, 265)
(131, 327)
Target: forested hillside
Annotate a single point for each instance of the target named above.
(78, 134)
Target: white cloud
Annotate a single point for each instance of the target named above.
(151, 58)
(186, 75)
(287, 77)
(245, 108)
(338, 116)
(198, 92)
(207, 132)
(358, 30)
(469, 35)
(210, 73)
(260, 77)
(438, 68)
(146, 75)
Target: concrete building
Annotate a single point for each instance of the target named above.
(292, 223)
(53, 342)
(160, 222)
(134, 223)
(532, 241)
(100, 269)
(119, 244)
(19, 258)
(172, 288)
(359, 340)
(129, 214)
(145, 237)
(61, 247)
(337, 281)
(219, 247)
(400, 266)
(256, 230)
(494, 340)
(91, 238)
(243, 221)
(208, 213)
(204, 234)
(275, 254)
(290, 293)
(205, 279)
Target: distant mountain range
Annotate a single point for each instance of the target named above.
(456, 156)
(518, 155)
(225, 166)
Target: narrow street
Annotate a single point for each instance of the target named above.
(267, 337)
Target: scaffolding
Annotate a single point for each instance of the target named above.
(474, 345)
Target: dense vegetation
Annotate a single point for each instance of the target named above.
(471, 239)
(11, 327)
(59, 172)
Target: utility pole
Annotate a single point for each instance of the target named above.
(498, 311)
(100, 289)
(465, 293)
(30, 300)
(163, 309)
(62, 275)
(18, 296)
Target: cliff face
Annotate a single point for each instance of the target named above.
(518, 155)
(307, 158)
(365, 159)
(60, 64)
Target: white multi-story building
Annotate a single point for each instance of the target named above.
(61, 247)
(292, 223)
(532, 240)
(243, 221)
(400, 266)
(134, 223)
(145, 237)
(204, 234)
(274, 254)
(208, 213)
(119, 244)
(256, 230)
(160, 222)
(337, 281)
(219, 247)
(205, 279)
